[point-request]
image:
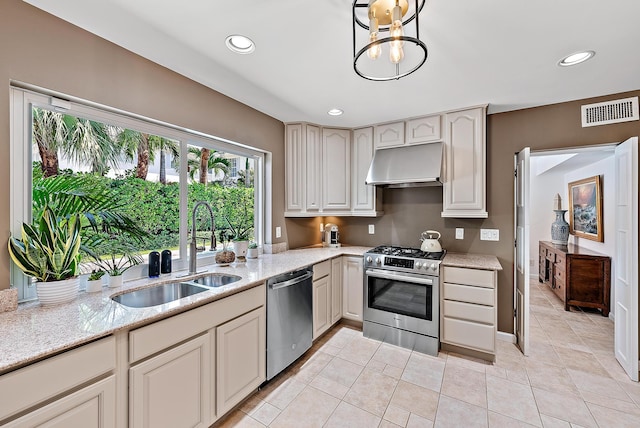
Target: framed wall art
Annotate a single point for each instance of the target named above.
(585, 209)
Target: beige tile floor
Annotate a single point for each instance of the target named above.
(571, 379)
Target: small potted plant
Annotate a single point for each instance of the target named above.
(49, 251)
(225, 256)
(94, 283)
(115, 258)
(237, 211)
(252, 251)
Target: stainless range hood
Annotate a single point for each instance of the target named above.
(407, 166)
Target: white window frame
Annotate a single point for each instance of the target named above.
(24, 97)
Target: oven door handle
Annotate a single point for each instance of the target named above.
(375, 273)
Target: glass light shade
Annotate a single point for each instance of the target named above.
(374, 51)
(396, 54)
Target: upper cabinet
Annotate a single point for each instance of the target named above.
(325, 172)
(295, 167)
(465, 173)
(336, 169)
(388, 135)
(423, 130)
(365, 199)
(326, 168)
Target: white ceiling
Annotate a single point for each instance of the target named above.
(500, 52)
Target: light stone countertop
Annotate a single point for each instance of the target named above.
(473, 261)
(34, 332)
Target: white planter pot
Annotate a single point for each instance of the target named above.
(55, 292)
(252, 253)
(115, 281)
(94, 285)
(240, 248)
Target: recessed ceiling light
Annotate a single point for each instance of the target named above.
(335, 112)
(576, 58)
(240, 44)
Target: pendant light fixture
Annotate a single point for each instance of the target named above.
(391, 30)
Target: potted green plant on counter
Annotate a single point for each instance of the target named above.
(115, 258)
(237, 210)
(225, 256)
(252, 251)
(94, 283)
(49, 251)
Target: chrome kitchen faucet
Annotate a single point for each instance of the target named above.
(193, 251)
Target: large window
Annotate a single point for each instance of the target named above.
(145, 175)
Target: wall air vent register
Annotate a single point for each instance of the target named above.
(616, 111)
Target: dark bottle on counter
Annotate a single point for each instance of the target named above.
(165, 264)
(154, 264)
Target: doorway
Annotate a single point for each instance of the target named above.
(548, 173)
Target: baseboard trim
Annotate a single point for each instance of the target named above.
(506, 337)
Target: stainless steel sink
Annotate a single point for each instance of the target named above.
(215, 280)
(157, 295)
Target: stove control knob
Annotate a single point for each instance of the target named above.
(419, 265)
(434, 267)
(369, 259)
(378, 261)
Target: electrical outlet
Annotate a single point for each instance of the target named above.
(489, 235)
(372, 229)
(459, 233)
(278, 232)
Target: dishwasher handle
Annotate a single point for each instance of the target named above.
(291, 282)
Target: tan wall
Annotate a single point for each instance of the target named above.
(408, 212)
(42, 50)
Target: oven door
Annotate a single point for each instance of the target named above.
(402, 300)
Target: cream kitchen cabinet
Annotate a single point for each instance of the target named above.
(423, 130)
(173, 389)
(352, 288)
(388, 135)
(465, 176)
(469, 309)
(317, 171)
(295, 167)
(186, 359)
(366, 200)
(336, 290)
(240, 358)
(322, 310)
(336, 170)
(91, 406)
(74, 389)
(314, 164)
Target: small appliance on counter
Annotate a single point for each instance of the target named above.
(430, 242)
(331, 236)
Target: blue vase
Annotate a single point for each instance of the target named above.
(560, 229)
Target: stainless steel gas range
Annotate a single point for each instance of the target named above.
(401, 297)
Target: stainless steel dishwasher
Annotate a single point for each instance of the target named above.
(289, 318)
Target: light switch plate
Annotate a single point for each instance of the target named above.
(489, 235)
(372, 229)
(278, 232)
(459, 233)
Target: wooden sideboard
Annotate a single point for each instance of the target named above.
(578, 276)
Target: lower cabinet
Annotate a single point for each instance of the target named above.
(75, 389)
(469, 315)
(352, 288)
(322, 297)
(91, 406)
(190, 369)
(240, 358)
(336, 290)
(173, 389)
